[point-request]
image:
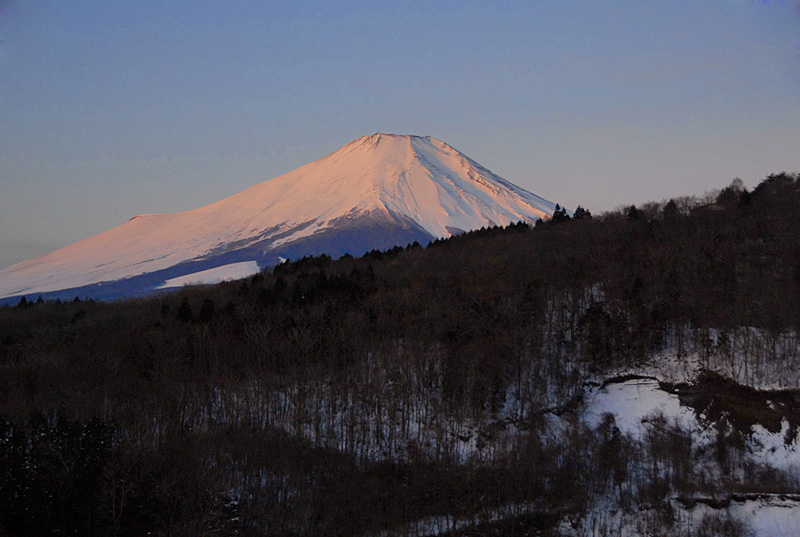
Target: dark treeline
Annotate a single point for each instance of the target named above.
(330, 397)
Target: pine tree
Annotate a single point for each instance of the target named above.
(559, 215)
(581, 213)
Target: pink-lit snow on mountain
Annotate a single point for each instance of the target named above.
(418, 179)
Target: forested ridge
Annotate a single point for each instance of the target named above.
(407, 390)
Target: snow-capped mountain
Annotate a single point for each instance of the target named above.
(375, 192)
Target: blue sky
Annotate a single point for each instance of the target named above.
(110, 109)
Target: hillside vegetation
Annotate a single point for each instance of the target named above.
(418, 390)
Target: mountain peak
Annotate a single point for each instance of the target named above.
(382, 138)
(378, 136)
(378, 191)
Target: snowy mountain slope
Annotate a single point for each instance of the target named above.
(375, 192)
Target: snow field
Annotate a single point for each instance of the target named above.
(233, 271)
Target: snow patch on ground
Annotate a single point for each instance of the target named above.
(772, 450)
(631, 402)
(776, 518)
(234, 271)
(767, 517)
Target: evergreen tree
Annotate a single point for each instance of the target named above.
(581, 213)
(730, 195)
(559, 215)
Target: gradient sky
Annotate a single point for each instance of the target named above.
(110, 109)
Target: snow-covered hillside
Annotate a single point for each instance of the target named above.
(631, 428)
(375, 192)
